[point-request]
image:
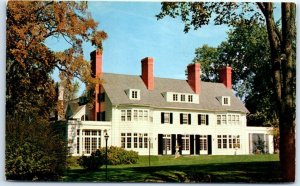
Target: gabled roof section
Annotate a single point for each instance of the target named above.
(116, 84)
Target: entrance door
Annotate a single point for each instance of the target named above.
(167, 144)
(203, 144)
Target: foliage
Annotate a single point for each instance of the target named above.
(259, 145)
(92, 162)
(246, 51)
(30, 62)
(34, 151)
(117, 156)
(281, 39)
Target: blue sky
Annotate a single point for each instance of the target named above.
(134, 33)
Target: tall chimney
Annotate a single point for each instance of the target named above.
(147, 72)
(225, 76)
(96, 67)
(194, 77)
(96, 63)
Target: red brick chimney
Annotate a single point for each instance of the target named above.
(96, 63)
(194, 77)
(96, 67)
(147, 72)
(225, 76)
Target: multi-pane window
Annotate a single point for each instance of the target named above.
(134, 94)
(175, 97)
(167, 142)
(224, 121)
(224, 141)
(87, 142)
(145, 140)
(166, 117)
(190, 98)
(228, 119)
(123, 141)
(185, 118)
(225, 100)
(128, 140)
(91, 141)
(202, 119)
(219, 142)
(123, 115)
(135, 115)
(128, 115)
(185, 142)
(203, 142)
(135, 140)
(182, 97)
(140, 140)
(219, 119)
(228, 141)
(145, 115)
(140, 115)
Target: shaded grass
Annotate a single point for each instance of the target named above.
(243, 169)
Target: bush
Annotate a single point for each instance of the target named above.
(34, 151)
(93, 162)
(117, 156)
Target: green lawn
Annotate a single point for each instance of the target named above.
(242, 168)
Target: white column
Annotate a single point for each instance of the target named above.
(80, 141)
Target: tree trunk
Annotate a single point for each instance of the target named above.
(282, 65)
(287, 113)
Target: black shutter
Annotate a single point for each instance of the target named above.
(181, 118)
(171, 118)
(207, 119)
(102, 116)
(199, 119)
(197, 144)
(189, 119)
(179, 141)
(173, 143)
(209, 144)
(192, 144)
(98, 116)
(160, 144)
(162, 117)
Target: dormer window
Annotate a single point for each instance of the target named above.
(175, 97)
(190, 98)
(133, 94)
(183, 97)
(226, 100)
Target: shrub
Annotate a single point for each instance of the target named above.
(34, 151)
(93, 162)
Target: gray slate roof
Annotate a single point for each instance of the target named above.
(116, 84)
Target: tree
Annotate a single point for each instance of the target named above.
(38, 153)
(197, 14)
(34, 151)
(30, 62)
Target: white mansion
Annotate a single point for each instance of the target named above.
(155, 115)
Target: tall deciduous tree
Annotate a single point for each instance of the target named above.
(29, 60)
(197, 14)
(33, 149)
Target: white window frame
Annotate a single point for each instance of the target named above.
(225, 100)
(190, 98)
